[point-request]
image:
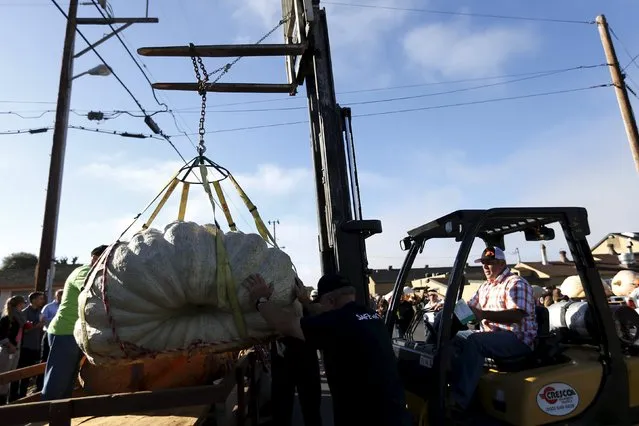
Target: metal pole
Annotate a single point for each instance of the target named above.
(46, 259)
(620, 88)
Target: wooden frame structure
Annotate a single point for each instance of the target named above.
(60, 412)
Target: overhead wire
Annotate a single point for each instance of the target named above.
(627, 52)
(365, 90)
(484, 101)
(469, 14)
(405, 110)
(431, 107)
(38, 130)
(161, 133)
(424, 95)
(128, 51)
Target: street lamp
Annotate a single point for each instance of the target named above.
(100, 70)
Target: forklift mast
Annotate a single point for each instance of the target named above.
(342, 230)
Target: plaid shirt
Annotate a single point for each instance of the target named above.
(507, 292)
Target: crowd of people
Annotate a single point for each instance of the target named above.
(32, 332)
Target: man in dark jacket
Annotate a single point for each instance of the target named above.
(361, 367)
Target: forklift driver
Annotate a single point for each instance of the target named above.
(361, 368)
(505, 306)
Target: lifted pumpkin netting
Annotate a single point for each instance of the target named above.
(226, 286)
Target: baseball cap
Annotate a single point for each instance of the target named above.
(491, 253)
(408, 290)
(331, 282)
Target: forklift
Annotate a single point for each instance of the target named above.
(594, 382)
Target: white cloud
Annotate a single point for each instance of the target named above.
(132, 177)
(363, 26)
(269, 179)
(274, 180)
(268, 12)
(454, 49)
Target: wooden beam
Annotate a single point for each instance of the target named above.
(226, 50)
(230, 87)
(107, 21)
(116, 404)
(22, 373)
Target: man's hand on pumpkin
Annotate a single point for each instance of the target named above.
(257, 287)
(301, 292)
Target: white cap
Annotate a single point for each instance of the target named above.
(491, 253)
(408, 290)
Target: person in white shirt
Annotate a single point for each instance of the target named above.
(48, 313)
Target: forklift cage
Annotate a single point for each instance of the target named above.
(492, 225)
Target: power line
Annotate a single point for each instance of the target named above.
(432, 107)
(365, 90)
(475, 15)
(483, 101)
(403, 98)
(627, 52)
(82, 128)
(632, 61)
(101, 58)
(97, 6)
(157, 128)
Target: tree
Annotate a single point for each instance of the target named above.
(62, 260)
(20, 260)
(74, 260)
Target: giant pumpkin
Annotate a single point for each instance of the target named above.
(179, 290)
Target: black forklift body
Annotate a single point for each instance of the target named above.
(611, 405)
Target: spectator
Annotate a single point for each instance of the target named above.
(31, 341)
(65, 355)
(48, 313)
(11, 324)
(405, 312)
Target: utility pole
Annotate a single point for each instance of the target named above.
(620, 88)
(45, 270)
(274, 223)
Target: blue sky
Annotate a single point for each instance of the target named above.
(567, 149)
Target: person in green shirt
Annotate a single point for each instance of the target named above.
(65, 354)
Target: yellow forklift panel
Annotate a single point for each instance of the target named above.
(633, 380)
(542, 395)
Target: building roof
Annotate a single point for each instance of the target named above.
(389, 275)
(23, 278)
(550, 269)
(631, 235)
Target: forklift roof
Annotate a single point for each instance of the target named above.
(493, 224)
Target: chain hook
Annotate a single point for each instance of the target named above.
(198, 65)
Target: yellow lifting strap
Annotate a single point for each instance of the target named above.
(207, 187)
(183, 200)
(167, 194)
(225, 206)
(259, 223)
(226, 289)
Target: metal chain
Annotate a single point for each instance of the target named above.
(201, 88)
(198, 65)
